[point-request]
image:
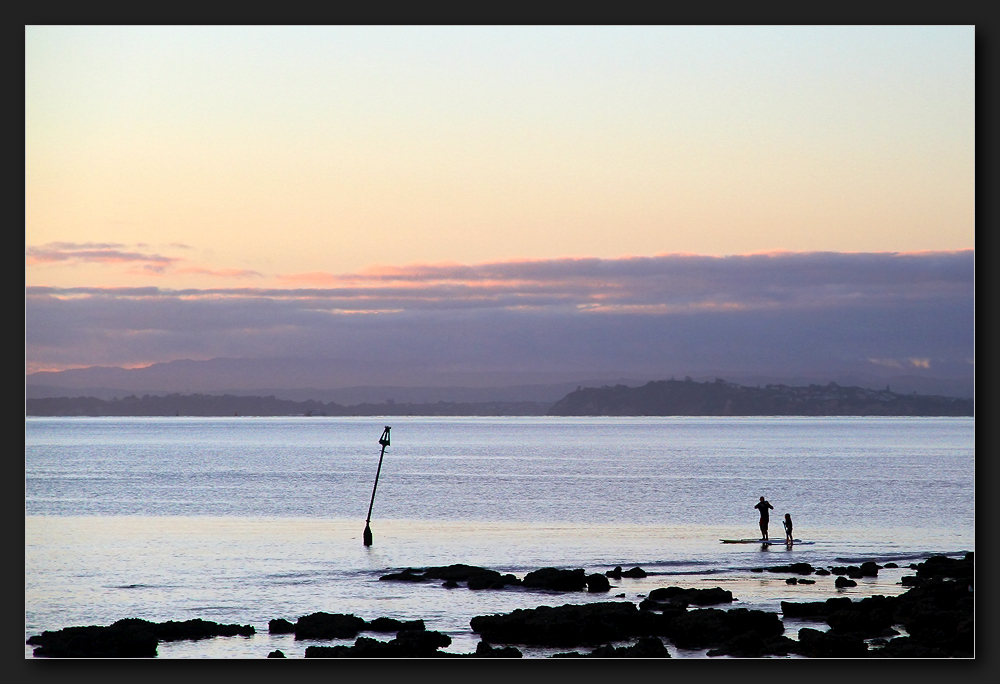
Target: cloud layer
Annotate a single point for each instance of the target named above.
(136, 259)
(673, 314)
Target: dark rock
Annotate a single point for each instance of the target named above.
(330, 652)
(484, 650)
(198, 629)
(407, 644)
(123, 639)
(564, 626)
(555, 579)
(328, 626)
(815, 610)
(805, 581)
(280, 626)
(458, 572)
(799, 568)
(713, 628)
(657, 624)
(855, 622)
(838, 603)
(597, 583)
(418, 642)
(485, 581)
(942, 566)
(407, 575)
(869, 569)
(475, 577)
(276, 654)
(911, 581)
(386, 624)
(942, 628)
(844, 582)
(649, 604)
(635, 572)
(879, 615)
(816, 644)
(750, 645)
(645, 647)
(677, 596)
(822, 571)
(616, 573)
(906, 647)
(838, 570)
(791, 580)
(890, 565)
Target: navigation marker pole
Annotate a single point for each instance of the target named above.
(384, 441)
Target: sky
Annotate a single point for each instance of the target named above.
(492, 199)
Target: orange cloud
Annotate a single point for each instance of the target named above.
(317, 278)
(222, 272)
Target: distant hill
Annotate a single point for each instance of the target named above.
(720, 398)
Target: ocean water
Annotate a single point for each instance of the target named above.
(243, 520)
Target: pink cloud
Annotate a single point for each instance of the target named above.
(105, 253)
(660, 283)
(139, 262)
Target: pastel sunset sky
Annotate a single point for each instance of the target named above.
(272, 192)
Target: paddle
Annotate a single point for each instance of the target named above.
(384, 441)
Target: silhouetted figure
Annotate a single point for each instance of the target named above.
(763, 507)
(787, 522)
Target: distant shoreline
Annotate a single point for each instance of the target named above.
(661, 398)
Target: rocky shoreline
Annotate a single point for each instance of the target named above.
(934, 618)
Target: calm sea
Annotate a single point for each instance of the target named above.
(249, 519)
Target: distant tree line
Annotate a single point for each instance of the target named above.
(233, 405)
(721, 398)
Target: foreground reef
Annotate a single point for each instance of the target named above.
(129, 638)
(937, 614)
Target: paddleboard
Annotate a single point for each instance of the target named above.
(761, 541)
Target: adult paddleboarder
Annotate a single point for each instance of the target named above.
(384, 441)
(763, 507)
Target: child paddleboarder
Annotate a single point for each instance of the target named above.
(788, 528)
